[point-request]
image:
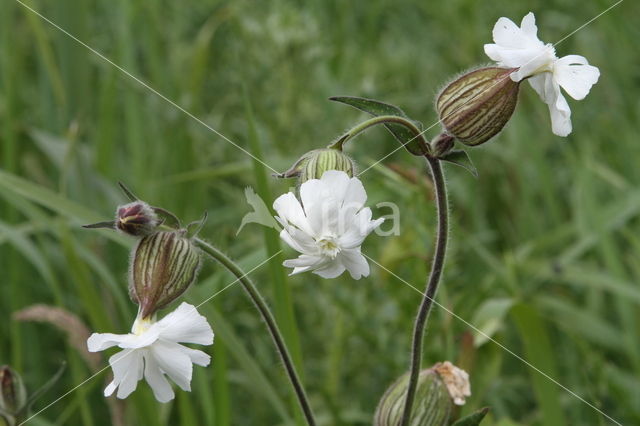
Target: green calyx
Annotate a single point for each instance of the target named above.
(163, 266)
(326, 159)
(476, 106)
(13, 394)
(433, 405)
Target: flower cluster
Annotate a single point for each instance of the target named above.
(163, 265)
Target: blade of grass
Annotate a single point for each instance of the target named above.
(537, 348)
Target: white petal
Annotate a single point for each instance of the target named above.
(298, 240)
(361, 227)
(355, 263)
(197, 357)
(289, 210)
(533, 61)
(332, 269)
(575, 75)
(157, 381)
(508, 35)
(538, 83)
(559, 110)
(186, 325)
(560, 116)
(127, 369)
(337, 182)
(133, 341)
(528, 26)
(305, 263)
(174, 362)
(355, 194)
(101, 341)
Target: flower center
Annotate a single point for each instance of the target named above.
(329, 246)
(141, 325)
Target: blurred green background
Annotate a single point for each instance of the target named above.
(545, 243)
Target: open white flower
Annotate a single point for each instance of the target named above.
(520, 48)
(329, 226)
(153, 350)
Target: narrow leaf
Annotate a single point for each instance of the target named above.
(406, 137)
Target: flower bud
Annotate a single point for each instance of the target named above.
(13, 395)
(163, 266)
(137, 218)
(325, 159)
(476, 106)
(439, 389)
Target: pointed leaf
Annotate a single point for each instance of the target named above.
(406, 137)
(461, 158)
(48, 385)
(473, 419)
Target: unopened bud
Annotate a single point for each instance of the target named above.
(434, 401)
(13, 395)
(313, 164)
(326, 159)
(163, 266)
(476, 106)
(137, 218)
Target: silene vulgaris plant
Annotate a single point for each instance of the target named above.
(326, 221)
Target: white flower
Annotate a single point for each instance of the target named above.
(520, 48)
(153, 349)
(329, 226)
(456, 380)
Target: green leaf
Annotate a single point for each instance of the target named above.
(48, 385)
(489, 318)
(473, 419)
(461, 158)
(406, 137)
(539, 351)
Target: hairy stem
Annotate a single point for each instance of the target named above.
(268, 318)
(381, 119)
(432, 284)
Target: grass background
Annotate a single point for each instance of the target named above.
(544, 250)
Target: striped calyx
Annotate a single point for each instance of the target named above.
(432, 405)
(163, 266)
(476, 106)
(13, 395)
(322, 160)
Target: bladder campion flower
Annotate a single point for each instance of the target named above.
(153, 350)
(328, 227)
(519, 47)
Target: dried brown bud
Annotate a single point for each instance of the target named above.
(476, 106)
(137, 219)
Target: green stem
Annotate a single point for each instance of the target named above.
(432, 284)
(268, 318)
(381, 119)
